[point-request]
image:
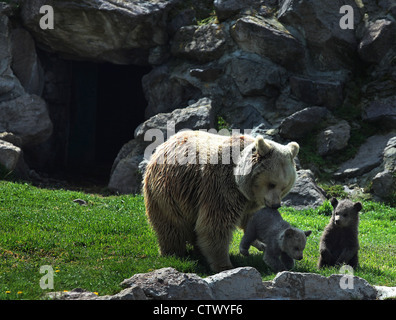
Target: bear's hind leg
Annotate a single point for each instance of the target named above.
(171, 235)
(214, 246)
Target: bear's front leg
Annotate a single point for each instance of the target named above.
(287, 261)
(272, 260)
(346, 255)
(326, 258)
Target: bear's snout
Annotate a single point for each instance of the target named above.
(299, 258)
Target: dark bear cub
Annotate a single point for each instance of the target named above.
(282, 243)
(339, 243)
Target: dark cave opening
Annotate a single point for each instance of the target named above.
(107, 104)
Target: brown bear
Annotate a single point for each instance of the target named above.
(198, 187)
(339, 242)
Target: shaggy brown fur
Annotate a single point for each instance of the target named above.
(339, 243)
(201, 202)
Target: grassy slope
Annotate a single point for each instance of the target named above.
(98, 245)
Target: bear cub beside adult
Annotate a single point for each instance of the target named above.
(339, 243)
(282, 243)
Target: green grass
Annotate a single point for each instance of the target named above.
(97, 246)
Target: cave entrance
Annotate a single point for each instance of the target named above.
(107, 104)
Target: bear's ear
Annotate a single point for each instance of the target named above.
(294, 148)
(334, 202)
(358, 206)
(289, 233)
(308, 233)
(262, 147)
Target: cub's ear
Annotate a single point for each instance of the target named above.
(262, 147)
(294, 148)
(289, 233)
(334, 202)
(358, 206)
(308, 233)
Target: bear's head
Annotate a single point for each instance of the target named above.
(345, 213)
(265, 171)
(292, 242)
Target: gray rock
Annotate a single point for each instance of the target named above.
(383, 184)
(377, 40)
(235, 284)
(27, 117)
(9, 155)
(199, 115)
(165, 92)
(389, 158)
(311, 286)
(331, 47)
(381, 111)
(126, 175)
(254, 75)
(201, 43)
(25, 63)
(317, 92)
(368, 157)
(227, 8)
(134, 292)
(269, 39)
(170, 284)
(10, 87)
(334, 138)
(305, 193)
(120, 32)
(302, 122)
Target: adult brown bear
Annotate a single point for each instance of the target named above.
(198, 187)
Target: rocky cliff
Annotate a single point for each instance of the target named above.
(290, 70)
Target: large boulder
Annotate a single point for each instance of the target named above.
(378, 39)
(201, 43)
(318, 92)
(25, 63)
(9, 155)
(169, 284)
(26, 116)
(121, 32)
(270, 39)
(331, 47)
(300, 123)
(334, 138)
(368, 157)
(381, 111)
(305, 193)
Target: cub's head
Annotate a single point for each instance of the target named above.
(292, 242)
(345, 213)
(266, 171)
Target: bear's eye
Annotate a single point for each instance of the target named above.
(296, 248)
(271, 186)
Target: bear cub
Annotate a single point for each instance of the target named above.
(282, 243)
(339, 243)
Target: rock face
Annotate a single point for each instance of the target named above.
(23, 114)
(285, 69)
(237, 284)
